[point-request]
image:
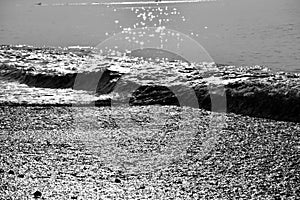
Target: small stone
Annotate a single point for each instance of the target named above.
(142, 187)
(48, 143)
(37, 194)
(11, 172)
(117, 180)
(21, 175)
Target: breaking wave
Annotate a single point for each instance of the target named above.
(29, 74)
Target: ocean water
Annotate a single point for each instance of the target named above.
(235, 32)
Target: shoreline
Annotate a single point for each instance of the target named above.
(53, 148)
(79, 72)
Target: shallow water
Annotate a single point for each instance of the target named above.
(247, 32)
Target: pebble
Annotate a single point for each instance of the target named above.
(21, 175)
(117, 180)
(142, 187)
(37, 194)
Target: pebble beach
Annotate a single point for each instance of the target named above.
(171, 99)
(90, 153)
(62, 142)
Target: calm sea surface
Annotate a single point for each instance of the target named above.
(237, 32)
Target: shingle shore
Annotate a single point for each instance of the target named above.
(145, 152)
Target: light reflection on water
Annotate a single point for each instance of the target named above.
(234, 32)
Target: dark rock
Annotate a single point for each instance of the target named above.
(11, 172)
(117, 180)
(37, 194)
(2, 171)
(178, 181)
(142, 187)
(38, 158)
(48, 143)
(21, 175)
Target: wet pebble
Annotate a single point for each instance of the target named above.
(21, 175)
(142, 187)
(37, 194)
(117, 180)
